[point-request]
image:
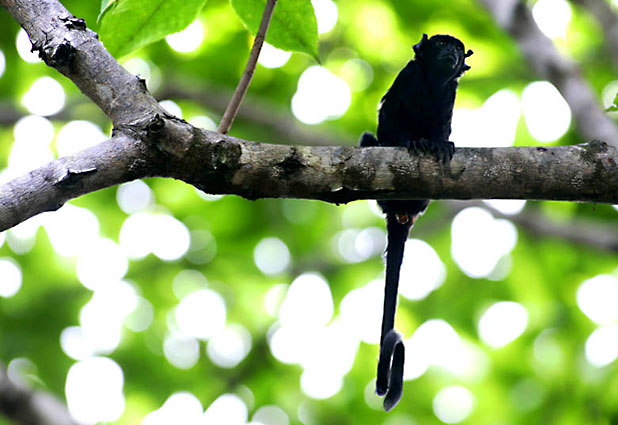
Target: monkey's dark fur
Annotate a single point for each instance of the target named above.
(415, 112)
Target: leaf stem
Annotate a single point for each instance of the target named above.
(245, 80)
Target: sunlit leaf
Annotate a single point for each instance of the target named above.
(105, 6)
(127, 25)
(293, 26)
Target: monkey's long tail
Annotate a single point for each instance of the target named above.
(392, 353)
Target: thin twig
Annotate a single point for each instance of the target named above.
(245, 80)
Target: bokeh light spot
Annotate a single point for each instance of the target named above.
(181, 351)
(75, 344)
(357, 73)
(479, 241)
(326, 14)
(10, 277)
(271, 415)
(141, 318)
(94, 390)
(2, 63)
(24, 48)
(144, 232)
(171, 107)
(271, 256)
(203, 121)
(502, 323)
(187, 40)
(436, 343)
(181, 408)
(320, 384)
(102, 317)
(271, 57)
(134, 196)
(361, 311)
(507, 206)
(453, 404)
(273, 298)
(102, 262)
(72, 230)
(308, 303)
(321, 95)
(602, 346)
(188, 281)
(547, 114)
(228, 409)
(422, 271)
(597, 298)
(552, 17)
(44, 97)
(147, 71)
(492, 125)
(78, 135)
(201, 314)
(230, 346)
(30, 150)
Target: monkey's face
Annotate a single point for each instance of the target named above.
(443, 55)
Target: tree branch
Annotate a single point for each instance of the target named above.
(593, 233)
(28, 407)
(515, 17)
(214, 163)
(245, 80)
(608, 19)
(47, 188)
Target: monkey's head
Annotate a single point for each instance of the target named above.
(443, 55)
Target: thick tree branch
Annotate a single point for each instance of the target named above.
(168, 147)
(515, 17)
(115, 161)
(28, 407)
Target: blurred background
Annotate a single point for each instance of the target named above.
(155, 303)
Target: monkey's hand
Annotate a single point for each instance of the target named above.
(420, 146)
(442, 150)
(368, 140)
(390, 369)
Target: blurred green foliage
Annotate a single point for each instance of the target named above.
(517, 388)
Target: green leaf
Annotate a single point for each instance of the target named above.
(105, 6)
(127, 25)
(293, 26)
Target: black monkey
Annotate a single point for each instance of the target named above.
(415, 112)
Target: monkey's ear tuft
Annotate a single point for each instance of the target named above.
(417, 46)
(469, 53)
(467, 67)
